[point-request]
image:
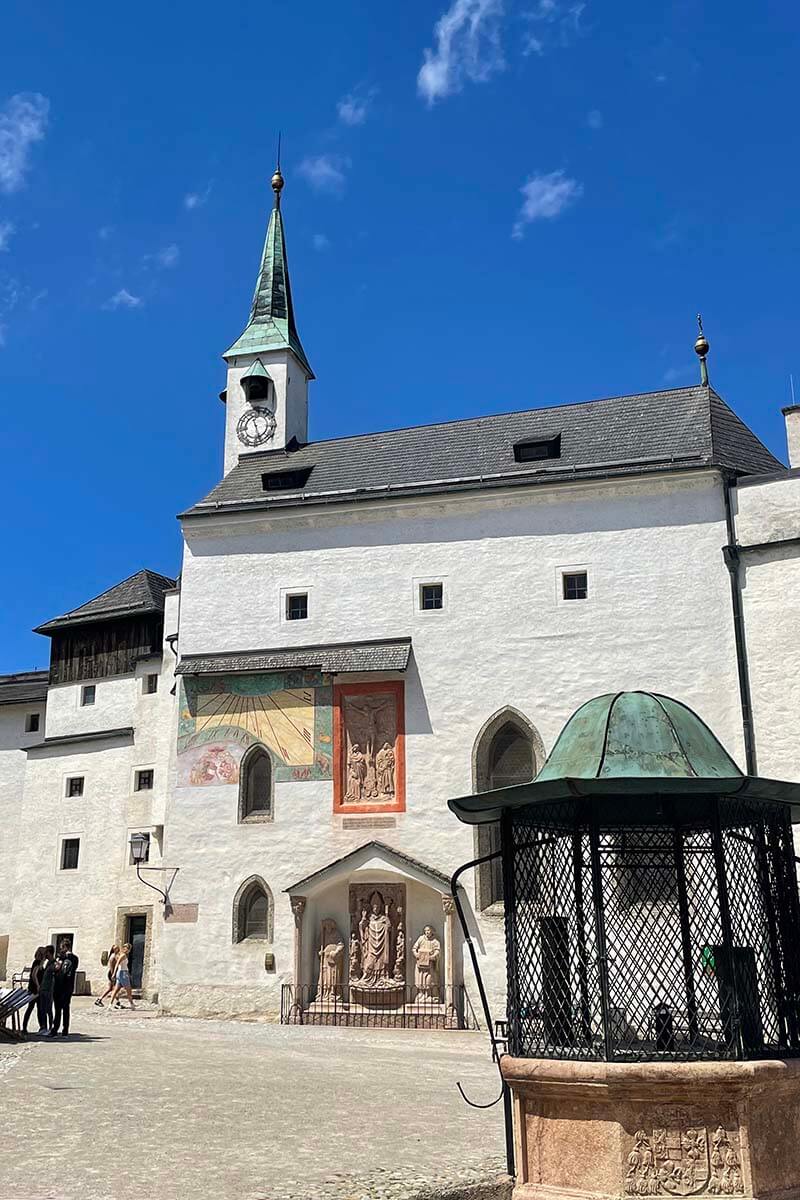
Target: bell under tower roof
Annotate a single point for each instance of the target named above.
(271, 325)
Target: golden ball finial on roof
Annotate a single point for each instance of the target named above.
(277, 182)
(701, 344)
(701, 350)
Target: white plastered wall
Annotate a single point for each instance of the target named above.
(13, 740)
(770, 578)
(658, 617)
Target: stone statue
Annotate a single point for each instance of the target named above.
(400, 955)
(427, 951)
(375, 935)
(356, 774)
(355, 957)
(331, 964)
(384, 763)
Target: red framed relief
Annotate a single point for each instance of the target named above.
(369, 768)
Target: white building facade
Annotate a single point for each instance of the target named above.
(365, 628)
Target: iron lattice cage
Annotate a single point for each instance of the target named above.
(645, 928)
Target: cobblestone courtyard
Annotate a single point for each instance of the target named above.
(177, 1109)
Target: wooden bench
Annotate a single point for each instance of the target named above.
(12, 1001)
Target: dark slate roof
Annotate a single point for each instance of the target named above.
(381, 848)
(138, 594)
(383, 655)
(70, 739)
(623, 435)
(25, 687)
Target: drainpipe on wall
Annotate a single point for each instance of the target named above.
(732, 559)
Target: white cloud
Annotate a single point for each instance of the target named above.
(197, 199)
(23, 121)
(123, 299)
(545, 197)
(325, 172)
(167, 257)
(595, 119)
(556, 23)
(320, 241)
(467, 49)
(354, 107)
(6, 230)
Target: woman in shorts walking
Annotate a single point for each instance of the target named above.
(123, 976)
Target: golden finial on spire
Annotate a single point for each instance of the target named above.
(277, 178)
(701, 349)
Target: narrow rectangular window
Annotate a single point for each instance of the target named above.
(150, 684)
(144, 780)
(431, 595)
(575, 585)
(70, 849)
(145, 849)
(32, 723)
(75, 785)
(297, 606)
(88, 693)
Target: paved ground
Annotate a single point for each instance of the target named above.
(171, 1109)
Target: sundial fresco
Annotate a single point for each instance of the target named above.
(220, 718)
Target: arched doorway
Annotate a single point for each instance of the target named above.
(508, 750)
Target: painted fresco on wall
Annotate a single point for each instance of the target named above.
(289, 712)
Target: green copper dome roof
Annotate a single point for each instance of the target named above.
(637, 735)
(630, 744)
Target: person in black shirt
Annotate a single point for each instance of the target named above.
(65, 968)
(44, 1000)
(34, 982)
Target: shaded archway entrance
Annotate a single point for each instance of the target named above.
(508, 750)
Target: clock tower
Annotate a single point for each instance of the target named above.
(266, 396)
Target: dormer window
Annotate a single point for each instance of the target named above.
(532, 450)
(285, 481)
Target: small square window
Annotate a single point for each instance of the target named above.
(297, 606)
(70, 849)
(150, 684)
(575, 585)
(145, 837)
(431, 595)
(144, 780)
(88, 693)
(32, 723)
(75, 785)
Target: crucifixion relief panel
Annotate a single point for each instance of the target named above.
(369, 770)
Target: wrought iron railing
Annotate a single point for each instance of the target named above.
(399, 1007)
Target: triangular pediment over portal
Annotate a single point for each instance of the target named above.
(371, 859)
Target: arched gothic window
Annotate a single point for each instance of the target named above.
(508, 750)
(252, 912)
(255, 786)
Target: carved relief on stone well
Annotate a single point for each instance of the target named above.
(377, 937)
(369, 772)
(676, 1156)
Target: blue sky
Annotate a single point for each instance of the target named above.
(489, 206)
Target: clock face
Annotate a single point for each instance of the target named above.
(256, 426)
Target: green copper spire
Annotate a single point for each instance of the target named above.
(271, 325)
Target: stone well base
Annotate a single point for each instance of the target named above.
(597, 1130)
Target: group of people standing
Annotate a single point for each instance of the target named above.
(51, 985)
